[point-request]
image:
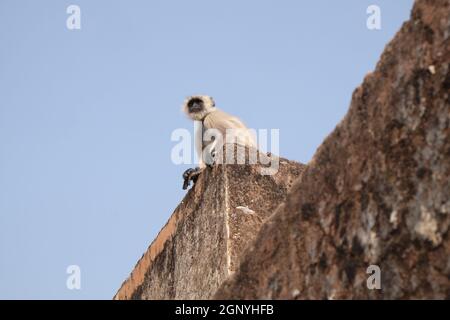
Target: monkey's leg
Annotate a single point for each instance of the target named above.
(191, 175)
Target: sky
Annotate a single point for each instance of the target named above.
(86, 115)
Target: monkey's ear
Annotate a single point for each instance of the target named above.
(213, 103)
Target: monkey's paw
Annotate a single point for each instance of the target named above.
(190, 175)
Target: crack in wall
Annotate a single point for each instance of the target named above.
(227, 221)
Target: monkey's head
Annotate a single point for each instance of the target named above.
(198, 107)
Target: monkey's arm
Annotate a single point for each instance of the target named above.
(199, 145)
(192, 174)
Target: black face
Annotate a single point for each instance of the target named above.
(195, 105)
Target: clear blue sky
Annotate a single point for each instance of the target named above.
(86, 115)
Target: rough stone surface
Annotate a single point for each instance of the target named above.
(202, 242)
(377, 190)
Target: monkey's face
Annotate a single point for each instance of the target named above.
(195, 105)
(198, 107)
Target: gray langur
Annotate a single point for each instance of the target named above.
(203, 108)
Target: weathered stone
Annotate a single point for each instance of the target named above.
(201, 244)
(377, 190)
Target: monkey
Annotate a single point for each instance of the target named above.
(203, 108)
